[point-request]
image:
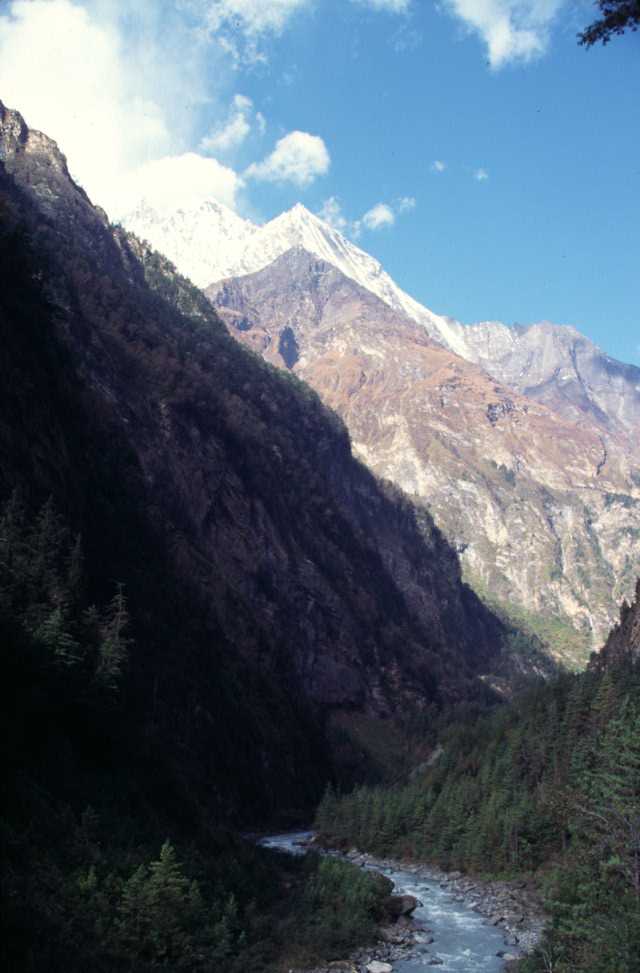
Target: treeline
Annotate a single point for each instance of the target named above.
(550, 783)
(88, 877)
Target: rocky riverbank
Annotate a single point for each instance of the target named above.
(512, 907)
(515, 906)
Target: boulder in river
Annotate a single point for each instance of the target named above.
(400, 905)
(377, 967)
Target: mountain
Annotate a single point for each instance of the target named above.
(281, 598)
(544, 510)
(575, 576)
(557, 365)
(554, 364)
(209, 243)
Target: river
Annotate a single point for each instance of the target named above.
(463, 941)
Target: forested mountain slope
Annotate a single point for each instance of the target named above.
(253, 551)
(223, 495)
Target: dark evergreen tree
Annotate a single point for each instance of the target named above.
(617, 16)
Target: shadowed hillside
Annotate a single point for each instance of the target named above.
(207, 607)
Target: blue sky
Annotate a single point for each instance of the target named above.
(498, 162)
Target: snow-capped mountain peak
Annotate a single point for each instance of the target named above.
(201, 240)
(210, 243)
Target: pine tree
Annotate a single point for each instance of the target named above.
(46, 542)
(161, 912)
(53, 633)
(114, 642)
(611, 811)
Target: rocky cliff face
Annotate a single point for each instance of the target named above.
(274, 583)
(560, 367)
(542, 503)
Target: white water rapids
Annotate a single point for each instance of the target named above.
(463, 941)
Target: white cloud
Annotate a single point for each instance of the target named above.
(391, 6)
(481, 175)
(513, 30)
(252, 16)
(229, 136)
(109, 82)
(179, 182)
(438, 165)
(378, 216)
(63, 72)
(331, 213)
(298, 158)
(242, 103)
(242, 27)
(406, 39)
(258, 17)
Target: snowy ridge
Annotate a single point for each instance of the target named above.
(552, 363)
(211, 243)
(299, 227)
(200, 241)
